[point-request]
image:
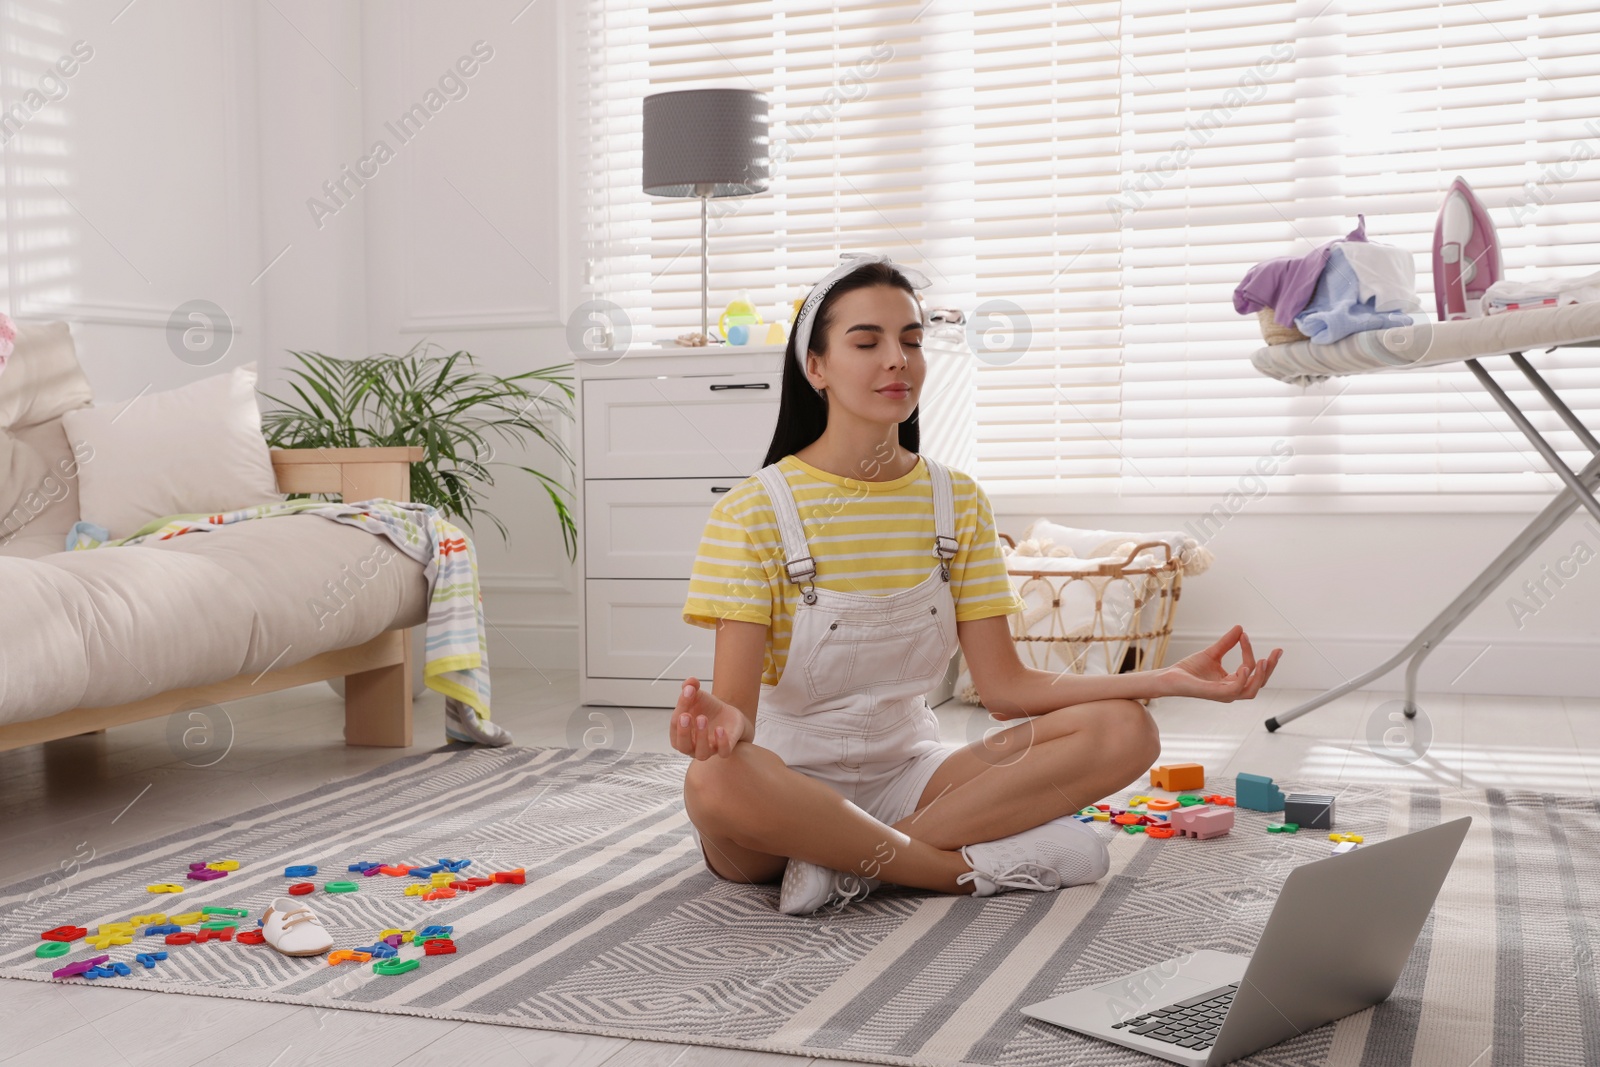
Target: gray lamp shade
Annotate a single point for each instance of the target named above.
(705, 142)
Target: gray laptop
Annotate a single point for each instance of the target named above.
(1338, 937)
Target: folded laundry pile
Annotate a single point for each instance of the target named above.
(1340, 288)
(1343, 304)
(1507, 295)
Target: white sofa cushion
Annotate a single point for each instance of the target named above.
(106, 626)
(42, 378)
(194, 449)
(38, 473)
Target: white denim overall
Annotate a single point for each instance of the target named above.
(850, 707)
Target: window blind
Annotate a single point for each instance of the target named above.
(1089, 182)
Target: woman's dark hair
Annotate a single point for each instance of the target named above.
(802, 412)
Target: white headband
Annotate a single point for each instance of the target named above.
(853, 261)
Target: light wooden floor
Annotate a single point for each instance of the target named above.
(106, 791)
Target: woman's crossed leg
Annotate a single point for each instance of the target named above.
(754, 812)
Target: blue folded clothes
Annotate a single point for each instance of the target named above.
(1336, 310)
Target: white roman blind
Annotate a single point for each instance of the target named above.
(859, 162)
(1090, 181)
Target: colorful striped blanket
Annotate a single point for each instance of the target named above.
(457, 658)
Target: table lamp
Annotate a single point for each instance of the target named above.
(705, 143)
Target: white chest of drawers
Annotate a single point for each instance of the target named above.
(662, 433)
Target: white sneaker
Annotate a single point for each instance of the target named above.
(1060, 853)
(294, 929)
(809, 886)
(463, 723)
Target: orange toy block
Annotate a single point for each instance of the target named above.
(1178, 777)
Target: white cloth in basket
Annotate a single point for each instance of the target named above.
(1054, 549)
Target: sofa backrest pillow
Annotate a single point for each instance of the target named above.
(194, 449)
(38, 473)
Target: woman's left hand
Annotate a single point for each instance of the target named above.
(1201, 675)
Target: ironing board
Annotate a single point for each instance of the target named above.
(1426, 344)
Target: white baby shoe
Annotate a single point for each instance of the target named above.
(1060, 853)
(294, 929)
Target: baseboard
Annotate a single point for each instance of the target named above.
(526, 645)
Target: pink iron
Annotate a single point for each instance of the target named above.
(1466, 253)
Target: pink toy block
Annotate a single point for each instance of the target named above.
(1178, 777)
(1202, 821)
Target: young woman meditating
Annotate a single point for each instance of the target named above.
(839, 579)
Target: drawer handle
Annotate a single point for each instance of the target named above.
(742, 385)
(720, 488)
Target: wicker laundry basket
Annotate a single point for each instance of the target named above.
(1133, 638)
(1274, 334)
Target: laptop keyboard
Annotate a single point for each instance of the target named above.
(1191, 1023)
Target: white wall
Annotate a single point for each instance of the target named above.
(131, 182)
(179, 163)
(1340, 594)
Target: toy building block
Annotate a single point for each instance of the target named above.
(1314, 811)
(1176, 777)
(1202, 821)
(1345, 846)
(1256, 792)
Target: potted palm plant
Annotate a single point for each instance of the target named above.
(456, 413)
(443, 404)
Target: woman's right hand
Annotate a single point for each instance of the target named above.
(702, 725)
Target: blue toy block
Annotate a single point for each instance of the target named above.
(426, 872)
(433, 931)
(456, 866)
(1256, 792)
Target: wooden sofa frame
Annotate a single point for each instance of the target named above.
(377, 674)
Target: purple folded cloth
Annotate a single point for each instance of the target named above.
(1285, 284)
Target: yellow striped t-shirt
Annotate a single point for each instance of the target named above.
(866, 537)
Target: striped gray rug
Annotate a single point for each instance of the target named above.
(620, 929)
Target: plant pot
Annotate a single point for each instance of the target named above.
(419, 640)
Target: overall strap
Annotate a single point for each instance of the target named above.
(944, 515)
(797, 555)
